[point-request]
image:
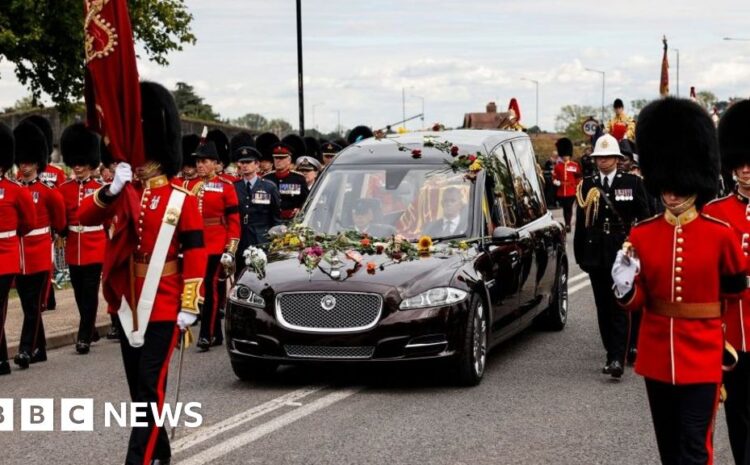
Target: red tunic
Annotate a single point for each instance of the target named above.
(217, 201)
(693, 259)
(568, 173)
(186, 248)
(51, 176)
(229, 177)
(36, 245)
(85, 245)
(17, 217)
(735, 210)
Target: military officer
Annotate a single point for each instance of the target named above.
(174, 296)
(265, 143)
(609, 203)
(677, 268)
(84, 245)
(223, 166)
(36, 265)
(310, 168)
(51, 175)
(735, 210)
(621, 126)
(260, 203)
(329, 150)
(188, 176)
(217, 201)
(292, 185)
(17, 217)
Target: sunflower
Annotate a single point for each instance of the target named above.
(475, 166)
(424, 244)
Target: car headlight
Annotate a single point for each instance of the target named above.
(436, 297)
(244, 295)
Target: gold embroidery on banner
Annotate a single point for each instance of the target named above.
(101, 36)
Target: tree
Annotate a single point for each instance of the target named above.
(24, 104)
(252, 121)
(571, 117)
(706, 98)
(191, 105)
(637, 105)
(279, 127)
(44, 40)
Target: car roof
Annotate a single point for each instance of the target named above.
(397, 148)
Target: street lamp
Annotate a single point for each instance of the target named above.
(677, 51)
(422, 99)
(313, 113)
(537, 97)
(300, 89)
(604, 84)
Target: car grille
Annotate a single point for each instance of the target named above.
(351, 312)
(329, 352)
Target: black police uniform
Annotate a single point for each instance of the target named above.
(260, 210)
(292, 189)
(595, 246)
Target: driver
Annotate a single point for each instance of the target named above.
(363, 214)
(454, 219)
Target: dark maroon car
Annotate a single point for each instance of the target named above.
(453, 306)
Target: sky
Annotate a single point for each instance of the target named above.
(359, 56)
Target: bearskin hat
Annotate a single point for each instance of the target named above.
(733, 142)
(162, 136)
(359, 133)
(46, 127)
(31, 145)
(239, 140)
(221, 141)
(341, 142)
(105, 154)
(7, 147)
(264, 143)
(678, 149)
(296, 143)
(564, 147)
(189, 145)
(313, 148)
(80, 146)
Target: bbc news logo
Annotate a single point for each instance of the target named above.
(80, 415)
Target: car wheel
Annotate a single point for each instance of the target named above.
(555, 316)
(472, 358)
(252, 370)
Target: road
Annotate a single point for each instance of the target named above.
(543, 400)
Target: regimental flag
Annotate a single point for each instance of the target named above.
(664, 83)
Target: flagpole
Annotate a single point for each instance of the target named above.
(300, 89)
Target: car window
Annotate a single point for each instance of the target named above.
(511, 192)
(533, 198)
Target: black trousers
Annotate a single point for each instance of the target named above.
(146, 370)
(32, 291)
(5, 281)
(737, 409)
(683, 419)
(567, 205)
(210, 318)
(85, 280)
(613, 320)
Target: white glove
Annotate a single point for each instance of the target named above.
(556, 182)
(227, 259)
(623, 273)
(186, 320)
(123, 175)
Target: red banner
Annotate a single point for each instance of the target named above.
(664, 83)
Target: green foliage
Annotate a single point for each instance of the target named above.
(571, 117)
(706, 99)
(191, 105)
(252, 121)
(44, 40)
(279, 126)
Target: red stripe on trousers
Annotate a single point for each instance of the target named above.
(160, 390)
(215, 301)
(711, 426)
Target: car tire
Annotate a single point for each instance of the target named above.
(253, 370)
(471, 360)
(555, 317)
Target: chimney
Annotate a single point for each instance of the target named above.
(491, 107)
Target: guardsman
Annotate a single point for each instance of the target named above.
(84, 245)
(217, 201)
(329, 151)
(265, 143)
(358, 133)
(36, 265)
(735, 210)
(188, 177)
(224, 169)
(260, 203)
(291, 184)
(312, 145)
(310, 168)
(609, 203)
(17, 217)
(566, 176)
(171, 214)
(621, 126)
(677, 268)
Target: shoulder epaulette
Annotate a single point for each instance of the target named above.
(716, 220)
(649, 219)
(296, 172)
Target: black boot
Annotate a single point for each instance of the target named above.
(113, 333)
(22, 359)
(4, 368)
(82, 347)
(203, 344)
(39, 355)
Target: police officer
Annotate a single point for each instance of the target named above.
(292, 185)
(17, 216)
(609, 203)
(84, 245)
(677, 269)
(260, 203)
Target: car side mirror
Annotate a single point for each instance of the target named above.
(503, 235)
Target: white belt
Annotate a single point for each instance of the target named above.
(84, 229)
(38, 232)
(7, 234)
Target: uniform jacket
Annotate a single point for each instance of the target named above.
(17, 215)
(622, 127)
(690, 262)
(36, 245)
(260, 210)
(568, 173)
(82, 247)
(186, 247)
(217, 201)
(187, 184)
(292, 189)
(51, 176)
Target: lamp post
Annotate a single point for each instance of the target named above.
(536, 83)
(313, 113)
(677, 52)
(604, 84)
(422, 99)
(300, 89)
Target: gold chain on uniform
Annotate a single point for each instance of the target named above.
(590, 204)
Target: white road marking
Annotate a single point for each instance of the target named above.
(578, 277)
(578, 287)
(212, 431)
(251, 435)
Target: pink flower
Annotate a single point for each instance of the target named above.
(416, 153)
(316, 251)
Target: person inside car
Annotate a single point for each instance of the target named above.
(454, 219)
(364, 213)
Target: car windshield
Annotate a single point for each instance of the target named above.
(385, 200)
